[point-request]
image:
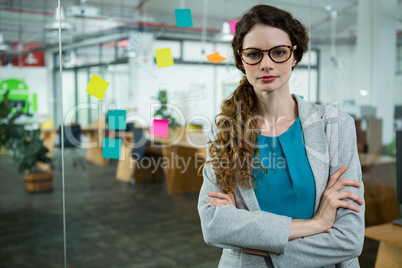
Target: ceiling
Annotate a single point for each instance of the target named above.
(23, 21)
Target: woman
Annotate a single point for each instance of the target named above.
(282, 183)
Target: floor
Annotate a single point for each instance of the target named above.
(108, 223)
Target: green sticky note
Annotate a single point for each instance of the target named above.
(183, 18)
(97, 87)
(116, 119)
(163, 57)
(111, 148)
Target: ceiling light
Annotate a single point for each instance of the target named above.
(226, 33)
(83, 10)
(363, 92)
(72, 60)
(64, 25)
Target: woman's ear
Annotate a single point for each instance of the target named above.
(294, 63)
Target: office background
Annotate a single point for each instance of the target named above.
(354, 62)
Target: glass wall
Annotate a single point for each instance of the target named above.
(117, 202)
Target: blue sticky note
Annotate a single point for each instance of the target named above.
(183, 18)
(116, 119)
(111, 148)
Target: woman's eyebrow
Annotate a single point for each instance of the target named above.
(266, 48)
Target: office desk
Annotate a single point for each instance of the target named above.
(181, 155)
(380, 191)
(184, 156)
(181, 158)
(49, 137)
(390, 251)
(96, 134)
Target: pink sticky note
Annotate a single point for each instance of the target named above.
(160, 128)
(233, 26)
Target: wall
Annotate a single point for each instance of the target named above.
(337, 84)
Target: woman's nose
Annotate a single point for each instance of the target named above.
(266, 61)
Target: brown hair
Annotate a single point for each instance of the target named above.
(275, 17)
(232, 152)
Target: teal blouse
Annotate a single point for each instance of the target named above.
(288, 188)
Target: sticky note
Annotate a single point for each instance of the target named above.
(116, 119)
(215, 57)
(97, 87)
(233, 26)
(183, 18)
(111, 148)
(160, 127)
(163, 57)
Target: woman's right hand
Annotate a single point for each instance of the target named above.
(332, 199)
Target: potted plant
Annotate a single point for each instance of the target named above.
(27, 152)
(25, 147)
(9, 131)
(163, 112)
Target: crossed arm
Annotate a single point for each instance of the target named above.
(334, 235)
(331, 200)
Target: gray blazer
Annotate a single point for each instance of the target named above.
(330, 141)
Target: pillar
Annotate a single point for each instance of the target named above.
(375, 59)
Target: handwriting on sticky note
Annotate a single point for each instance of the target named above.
(116, 119)
(183, 18)
(164, 57)
(160, 127)
(233, 26)
(215, 57)
(97, 87)
(111, 148)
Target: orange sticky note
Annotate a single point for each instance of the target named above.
(215, 57)
(163, 57)
(97, 87)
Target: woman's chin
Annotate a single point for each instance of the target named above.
(267, 90)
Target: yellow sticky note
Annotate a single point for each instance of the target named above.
(163, 57)
(215, 57)
(47, 125)
(97, 87)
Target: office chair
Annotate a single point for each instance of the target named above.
(139, 150)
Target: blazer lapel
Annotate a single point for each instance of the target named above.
(315, 143)
(249, 199)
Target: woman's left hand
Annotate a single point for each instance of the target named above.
(223, 198)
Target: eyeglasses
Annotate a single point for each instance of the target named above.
(278, 54)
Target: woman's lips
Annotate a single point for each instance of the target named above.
(268, 78)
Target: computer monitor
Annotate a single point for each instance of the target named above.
(367, 111)
(399, 175)
(398, 112)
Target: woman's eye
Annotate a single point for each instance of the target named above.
(279, 53)
(253, 54)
